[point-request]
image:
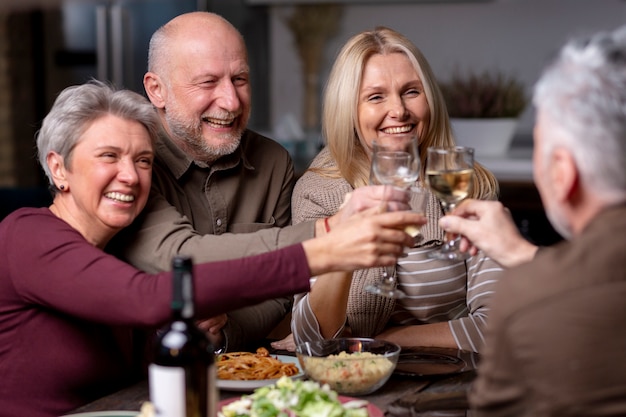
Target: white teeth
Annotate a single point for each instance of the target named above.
(396, 130)
(218, 121)
(120, 197)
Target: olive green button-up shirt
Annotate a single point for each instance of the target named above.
(238, 206)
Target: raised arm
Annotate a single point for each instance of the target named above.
(324, 307)
(321, 313)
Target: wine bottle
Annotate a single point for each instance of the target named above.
(182, 373)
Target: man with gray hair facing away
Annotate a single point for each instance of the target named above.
(556, 342)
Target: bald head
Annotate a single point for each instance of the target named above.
(185, 29)
(198, 80)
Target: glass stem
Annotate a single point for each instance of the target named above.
(450, 244)
(389, 275)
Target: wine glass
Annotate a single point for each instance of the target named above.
(395, 161)
(449, 173)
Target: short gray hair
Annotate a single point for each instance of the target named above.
(583, 92)
(77, 107)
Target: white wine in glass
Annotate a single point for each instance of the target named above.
(451, 187)
(449, 174)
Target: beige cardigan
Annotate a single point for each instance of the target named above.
(367, 314)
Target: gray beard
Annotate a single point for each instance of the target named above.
(193, 141)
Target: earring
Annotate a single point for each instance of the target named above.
(62, 187)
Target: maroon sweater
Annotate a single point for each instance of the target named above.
(67, 309)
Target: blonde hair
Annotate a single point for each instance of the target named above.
(340, 127)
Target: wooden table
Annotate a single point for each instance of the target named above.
(400, 396)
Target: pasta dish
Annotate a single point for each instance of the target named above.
(247, 366)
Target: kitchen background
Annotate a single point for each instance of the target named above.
(516, 37)
(46, 45)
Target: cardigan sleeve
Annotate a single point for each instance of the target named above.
(313, 198)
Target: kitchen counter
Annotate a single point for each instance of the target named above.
(515, 166)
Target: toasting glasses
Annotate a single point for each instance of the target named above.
(395, 161)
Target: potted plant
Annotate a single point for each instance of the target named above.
(484, 109)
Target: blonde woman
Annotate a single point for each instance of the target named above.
(381, 86)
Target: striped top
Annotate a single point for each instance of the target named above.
(444, 290)
(438, 290)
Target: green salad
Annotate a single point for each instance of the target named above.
(288, 398)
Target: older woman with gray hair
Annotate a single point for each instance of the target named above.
(67, 307)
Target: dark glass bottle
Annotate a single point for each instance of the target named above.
(182, 373)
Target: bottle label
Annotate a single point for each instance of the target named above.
(167, 391)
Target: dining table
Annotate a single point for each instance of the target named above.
(415, 389)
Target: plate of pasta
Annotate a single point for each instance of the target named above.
(247, 371)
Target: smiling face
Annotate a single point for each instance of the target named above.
(206, 89)
(391, 102)
(107, 182)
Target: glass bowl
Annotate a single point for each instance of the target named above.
(349, 365)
